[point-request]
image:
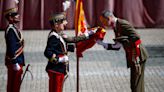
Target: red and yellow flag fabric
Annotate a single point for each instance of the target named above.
(84, 45)
(80, 23)
(80, 28)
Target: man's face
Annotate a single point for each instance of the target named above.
(60, 26)
(14, 18)
(106, 22)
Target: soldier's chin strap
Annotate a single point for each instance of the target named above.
(27, 70)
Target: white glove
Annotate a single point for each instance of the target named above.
(93, 31)
(16, 67)
(105, 45)
(89, 32)
(63, 59)
(66, 5)
(86, 34)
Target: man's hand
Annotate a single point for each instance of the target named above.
(92, 31)
(63, 59)
(54, 59)
(16, 67)
(59, 59)
(89, 33)
(138, 69)
(105, 45)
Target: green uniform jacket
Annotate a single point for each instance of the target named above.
(123, 28)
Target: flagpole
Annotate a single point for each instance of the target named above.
(78, 6)
(77, 70)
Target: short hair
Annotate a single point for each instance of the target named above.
(107, 13)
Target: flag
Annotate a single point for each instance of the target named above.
(84, 45)
(80, 23)
(81, 28)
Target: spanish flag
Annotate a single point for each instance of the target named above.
(80, 23)
(80, 28)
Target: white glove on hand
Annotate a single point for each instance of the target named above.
(16, 67)
(90, 32)
(105, 45)
(63, 59)
(86, 34)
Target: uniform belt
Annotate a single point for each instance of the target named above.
(17, 53)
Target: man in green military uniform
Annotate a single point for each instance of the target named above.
(127, 37)
(56, 51)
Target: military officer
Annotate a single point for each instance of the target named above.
(127, 37)
(56, 51)
(14, 59)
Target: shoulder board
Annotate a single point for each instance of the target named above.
(14, 29)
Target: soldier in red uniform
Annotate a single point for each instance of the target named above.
(127, 37)
(56, 51)
(14, 59)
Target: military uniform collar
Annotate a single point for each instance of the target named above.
(57, 32)
(10, 25)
